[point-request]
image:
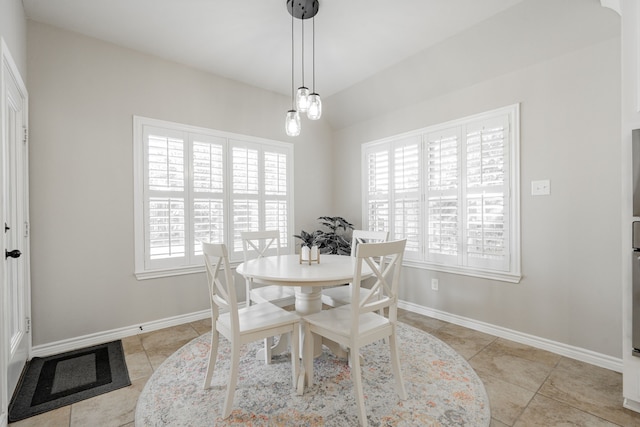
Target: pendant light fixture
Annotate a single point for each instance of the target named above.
(302, 95)
(292, 122)
(302, 101)
(314, 112)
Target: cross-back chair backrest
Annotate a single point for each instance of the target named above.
(385, 260)
(256, 244)
(366, 236)
(222, 293)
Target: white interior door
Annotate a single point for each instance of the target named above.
(16, 300)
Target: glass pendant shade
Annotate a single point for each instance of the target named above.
(315, 107)
(292, 123)
(302, 99)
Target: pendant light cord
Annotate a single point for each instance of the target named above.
(302, 61)
(292, 62)
(313, 56)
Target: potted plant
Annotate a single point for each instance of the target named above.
(336, 240)
(308, 245)
(333, 240)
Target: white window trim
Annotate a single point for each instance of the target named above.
(514, 275)
(140, 271)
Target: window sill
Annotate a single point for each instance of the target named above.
(178, 271)
(482, 274)
(167, 272)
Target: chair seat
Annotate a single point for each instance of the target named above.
(341, 295)
(278, 295)
(338, 321)
(260, 317)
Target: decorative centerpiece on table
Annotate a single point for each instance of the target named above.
(309, 251)
(333, 239)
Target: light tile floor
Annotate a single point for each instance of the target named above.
(526, 386)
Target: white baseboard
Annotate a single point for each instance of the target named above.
(577, 353)
(572, 352)
(115, 334)
(631, 404)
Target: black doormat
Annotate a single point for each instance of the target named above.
(51, 382)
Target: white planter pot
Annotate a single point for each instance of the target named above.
(309, 254)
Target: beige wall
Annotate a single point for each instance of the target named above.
(13, 29)
(570, 132)
(84, 92)
(630, 121)
(83, 95)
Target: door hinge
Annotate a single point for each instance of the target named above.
(26, 229)
(26, 135)
(27, 324)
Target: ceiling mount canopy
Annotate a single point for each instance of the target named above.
(303, 9)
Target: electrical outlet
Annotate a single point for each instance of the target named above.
(434, 284)
(541, 188)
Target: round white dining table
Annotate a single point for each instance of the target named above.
(308, 280)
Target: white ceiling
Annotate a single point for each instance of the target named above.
(250, 40)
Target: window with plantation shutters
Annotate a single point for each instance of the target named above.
(377, 196)
(392, 198)
(442, 165)
(406, 194)
(165, 204)
(194, 184)
(486, 225)
(208, 190)
(452, 191)
(260, 191)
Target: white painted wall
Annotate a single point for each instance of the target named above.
(84, 92)
(630, 102)
(13, 29)
(83, 95)
(570, 132)
(523, 35)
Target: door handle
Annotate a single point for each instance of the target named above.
(13, 254)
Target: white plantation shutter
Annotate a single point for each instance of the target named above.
(442, 151)
(195, 184)
(406, 195)
(165, 176)
(276, 192)
(487, 191)
(378, 186)
(208, 190)
(392, 200)
(452, 191)
(260, 191)
(244, 192)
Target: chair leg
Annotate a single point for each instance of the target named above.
(395, 364)
(385, 340)
(233, 378)
(295, 354)
(356, 377)
(213, 355)
(308, 354)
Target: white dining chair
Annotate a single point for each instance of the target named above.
(257, 244)
(241, 325)
(341, 295)
(357, 325)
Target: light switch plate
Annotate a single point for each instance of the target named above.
(541, 188)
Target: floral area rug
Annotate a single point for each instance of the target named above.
(443, 390)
